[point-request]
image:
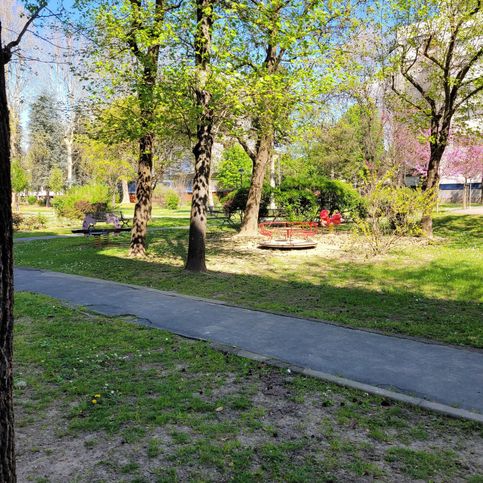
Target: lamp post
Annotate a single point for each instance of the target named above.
(241, 171)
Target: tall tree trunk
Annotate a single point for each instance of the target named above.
(15, 201)
(264, 152)
(195, 260)
(144, 189)
(265, 143)
(272, 182)
(431, 183)
(69, 144)
(142, 210)
(7, 440)
(125, 192)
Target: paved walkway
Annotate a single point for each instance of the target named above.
(443, 378)
(53, 237)
(472, 210)
(43, 237)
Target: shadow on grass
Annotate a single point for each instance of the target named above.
(395, 306)
(459, 229)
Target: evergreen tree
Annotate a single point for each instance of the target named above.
(47, 147)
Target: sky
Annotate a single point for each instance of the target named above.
(39, 73)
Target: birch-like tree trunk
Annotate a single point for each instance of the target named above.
(125, 192)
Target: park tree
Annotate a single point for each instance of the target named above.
(47, 148)
(13, 14)
(436, 65)
(343, 149)
(234, 169)
(7, 432)
(199, 93)
(407, 150)
(66, 55)
(464, 157)
(20, 181)
(107, 163)
(56, 181)
(205, 133)
(129, 38)
(283, 46)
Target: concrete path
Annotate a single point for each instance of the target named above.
(439, 377)
(53, 237)
(44, 237)
(472, 210)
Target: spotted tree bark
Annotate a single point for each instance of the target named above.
(142, 209)
(205, 135)
(195, 261)
(146, 97)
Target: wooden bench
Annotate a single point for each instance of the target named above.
(91, 219)
(117, 219)
(273, 214)
(224, 216)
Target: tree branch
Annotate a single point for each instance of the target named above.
(415, 83)
(402, 96)
(247, 148)
(468, 96)
(8, 48)
(429, 56)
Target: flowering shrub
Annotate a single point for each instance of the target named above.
(392, 213)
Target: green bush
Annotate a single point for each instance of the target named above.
(298, 204)
(332, 195)
(28, 223)
(237, 201)
(35, 222)
(392, 213)
(80, 200)
(170, 200)
(31, 200)
(17, 220)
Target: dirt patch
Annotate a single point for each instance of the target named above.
(325, 426)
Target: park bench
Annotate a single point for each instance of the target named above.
(89, 227)
(273, 214)
(223, 215)
(117, 219)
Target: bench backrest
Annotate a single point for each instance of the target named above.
(92, 218)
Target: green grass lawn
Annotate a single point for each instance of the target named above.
(432, 291)
(102, 399)
(60, 226)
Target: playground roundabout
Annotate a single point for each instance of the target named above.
(288, 244)
(288, 235)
